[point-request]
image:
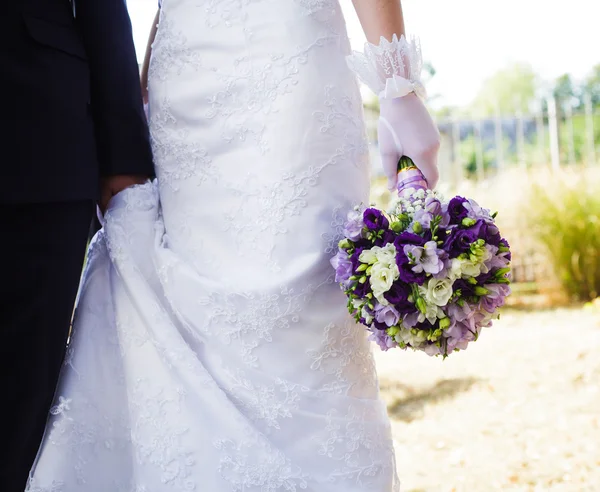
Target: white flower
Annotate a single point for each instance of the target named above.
(438, 291)
(357, 303)
(386, 255)
(382, 277)
(368, 256)
(471, 269)
(465, 268)
(367, 317)
(377, 254)
(414, 340)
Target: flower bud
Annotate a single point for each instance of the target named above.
(417, 228)
(421, 305)
(393, 331)
(396, 227)
(345, 243)
(468, 222)
(362, 267)
(481, 291)
(444, 323)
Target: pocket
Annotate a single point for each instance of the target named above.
(58, 36)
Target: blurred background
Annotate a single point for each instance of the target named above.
(514, 87)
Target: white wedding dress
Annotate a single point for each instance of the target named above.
(212, 350)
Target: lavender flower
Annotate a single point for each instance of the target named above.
(382, 339)
(496, 297)
(387, 315)
(426, 258)
(354, 225)
(343, 267)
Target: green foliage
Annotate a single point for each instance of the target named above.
(511, 89)
(592, 85)
(468, 151)
(565, 218)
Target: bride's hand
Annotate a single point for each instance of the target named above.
(115, 184)
(391, 67)
(406, 128)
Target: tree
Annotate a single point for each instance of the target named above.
(512, 89)
(564, 91)
(592, 85)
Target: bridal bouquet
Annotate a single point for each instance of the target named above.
(428, 275)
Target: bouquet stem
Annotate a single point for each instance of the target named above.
(409, 176)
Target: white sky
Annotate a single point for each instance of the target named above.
(469, 40)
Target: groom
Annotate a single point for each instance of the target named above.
(73, 133)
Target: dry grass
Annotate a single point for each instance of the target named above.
(518, 411)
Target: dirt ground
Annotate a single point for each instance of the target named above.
(518, 411)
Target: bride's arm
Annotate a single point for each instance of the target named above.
(391, 66)
(380, 18)
(146, 64)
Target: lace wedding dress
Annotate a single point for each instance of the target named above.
(212, 350)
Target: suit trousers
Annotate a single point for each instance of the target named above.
(42, 249)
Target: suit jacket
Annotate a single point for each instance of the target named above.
(71, 100)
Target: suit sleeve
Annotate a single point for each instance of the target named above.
(116, 101)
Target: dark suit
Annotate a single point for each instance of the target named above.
(71, 114)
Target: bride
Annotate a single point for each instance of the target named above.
(212, 350)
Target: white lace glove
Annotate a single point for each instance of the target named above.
(392, 70)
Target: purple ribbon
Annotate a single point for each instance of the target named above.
(410, 178)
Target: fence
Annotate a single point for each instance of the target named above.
(481, 151)
(558, 135)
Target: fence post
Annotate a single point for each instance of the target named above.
(570, 132)
(541, 140)
(479, 151)
(457, 164)
(498, 140)
(553, 133)
(589, 129)
(521, 139)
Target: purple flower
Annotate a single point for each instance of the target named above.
(375, 220)
(355, 258)
(408, 238)
(496, 297)
(389, 236)
(343, 267)
(354, 225)
(504, 242)
(494, 260)
(457, 210)
(459, 241)
(398, 296)
(433, 205)
(363, 289)
(475, 211)
(405, 267)
(426, 258)
(423, 217)
(432, 349)
(382, 339)
(466, 289)
(486, 231)
(456, 312)
(387, 315)
(483, 278)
